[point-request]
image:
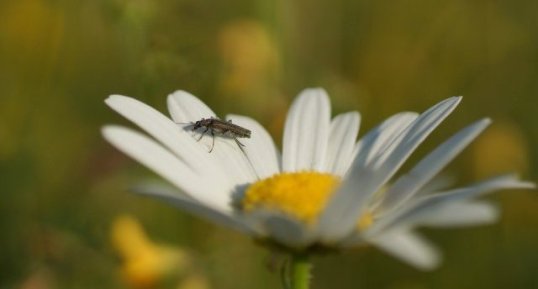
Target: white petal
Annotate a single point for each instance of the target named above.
(348, 203)
(230, 158)
(176, 198)
(410, 248)
(407, 185)
(259, 148)
(333, 222)
(168, 166)
(225, 153)
(458, 215)
(374, 143)
(283, 229)
(343, 132)
(185, 107)
(306, 131)
(441, 182)
(415, 134)
(427, 204)
(379, 140)
(168, 133)
(509, 181)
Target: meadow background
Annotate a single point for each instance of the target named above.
(67, 219)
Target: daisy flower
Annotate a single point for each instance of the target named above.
(325, 191)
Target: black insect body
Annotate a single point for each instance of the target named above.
(218, 127)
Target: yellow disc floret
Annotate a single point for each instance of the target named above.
(365, 221)
(302, 195)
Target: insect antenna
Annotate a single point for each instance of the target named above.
(192, 123)
(188, 124)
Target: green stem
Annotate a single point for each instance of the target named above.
(300, 271)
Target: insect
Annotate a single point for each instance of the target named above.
(220, 127)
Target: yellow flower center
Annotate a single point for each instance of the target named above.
(302, 195)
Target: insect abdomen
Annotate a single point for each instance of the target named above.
(230, 129)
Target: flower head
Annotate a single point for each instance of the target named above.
(326, 189)
(145, 263)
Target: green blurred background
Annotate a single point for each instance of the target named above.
(67, 220)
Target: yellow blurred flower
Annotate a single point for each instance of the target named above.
(145, 263)
(502, 148)
(248, 56)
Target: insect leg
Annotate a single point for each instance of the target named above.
(202, 135)
(238, 142)
(213, 144)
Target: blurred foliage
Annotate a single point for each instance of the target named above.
(62, 186)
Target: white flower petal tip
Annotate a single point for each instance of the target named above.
(525, 185)
(343, 133)
(503, 182)
(460, 214)
(115, 96)
(167, 165)
(118, 102)
(306, 131)
(115, 101)
(407, 185)
(112, 97)
(185, 107)
(455, 100)
(410, 248)
(313, 92)
(421, 209)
